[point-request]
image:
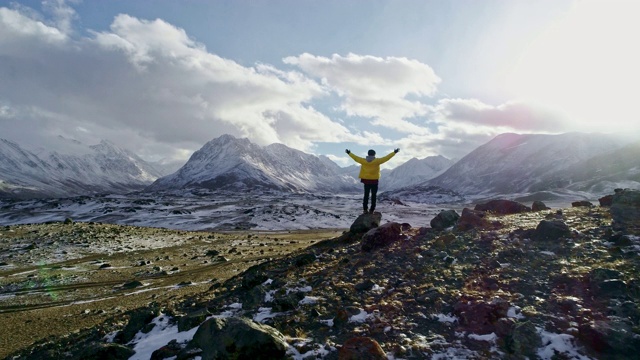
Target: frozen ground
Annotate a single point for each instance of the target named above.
(225, 211)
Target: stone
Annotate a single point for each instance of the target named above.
(444, 219)
(606, 200)
(610, 339)
(238, 338)
(625, 210)
(366, 222)
(539, 206)
(380, 237)
(479, 316)
(503, 207)
(365, 285)
(360, 348)
(581, 203)
(138, 319)
(105, 351)
(192, 319)
(551, 230)
(472, 219)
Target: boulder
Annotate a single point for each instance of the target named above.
(105, 351)
(472, 219)
(366, 222)
(445, 219)
(359, 348)
(611, 339)
(581, 203)
(479, 316)
(539, 206)
(382, 236)
(238, 338)
(193, 319)
(606, 200)
(503, 207)
(551, 230)
(625, 209)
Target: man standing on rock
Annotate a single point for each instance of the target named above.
(370, 174)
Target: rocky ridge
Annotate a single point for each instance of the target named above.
(557, 283)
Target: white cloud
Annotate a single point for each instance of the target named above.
(146, 84)
(374, 87)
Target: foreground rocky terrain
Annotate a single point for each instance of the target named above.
(498, 281)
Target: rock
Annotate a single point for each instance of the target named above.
(445, 219)
(366, 222)
(606, 200)
(625, 209)
(539, 206)
(524, 340)
(382, 236)
(365, 285)
(598, 275)
(212, 253)
(238, 338)
(68, 221)
(581, 203)
(359, 348)
(612, 288)
(479, 316)
(503, 207)
(132, 284)
(139, 318)
(610, 339)
(551, 230)
(254, 276)
(104, 266)
(192, 320)
(304, 259)
(172, 349)
(105, 351)
(472, 219)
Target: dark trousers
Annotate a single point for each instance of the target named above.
(373, 189)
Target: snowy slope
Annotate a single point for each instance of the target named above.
(513, 163)
(69, 172)
(415, 171)
(230, 163)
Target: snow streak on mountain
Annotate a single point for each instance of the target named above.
(512, 163)
(86, 170)
(228, 163)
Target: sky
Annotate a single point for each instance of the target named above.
(161, 78)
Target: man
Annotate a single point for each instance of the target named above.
(370, 174)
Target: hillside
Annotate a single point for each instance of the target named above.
(231, 164)
(74, 169)
(513, 163)
(559, 283)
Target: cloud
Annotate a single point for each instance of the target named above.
(147, 84)
(374, 87)
(517, 116)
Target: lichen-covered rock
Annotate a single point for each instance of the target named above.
(366, 222)
(238, 338)
(479, 316)
(472, 219)
(551, 230)
(625, 210)
(444, 219)
(382, 236)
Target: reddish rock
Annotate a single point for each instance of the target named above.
(503, 207)
(582, 203)
(481, 317)
(606, 200)
(539, 206)
(472, 219)
(382, 236)
(361, 348)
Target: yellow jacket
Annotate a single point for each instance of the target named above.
(370, 170)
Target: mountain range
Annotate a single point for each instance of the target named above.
(508, 164)
(82, 170)
(515, 164)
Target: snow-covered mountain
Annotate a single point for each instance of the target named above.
(513, 163)
(82, 170)
(230, 163)
(415, 171)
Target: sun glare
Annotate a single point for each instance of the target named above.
(585, 66)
